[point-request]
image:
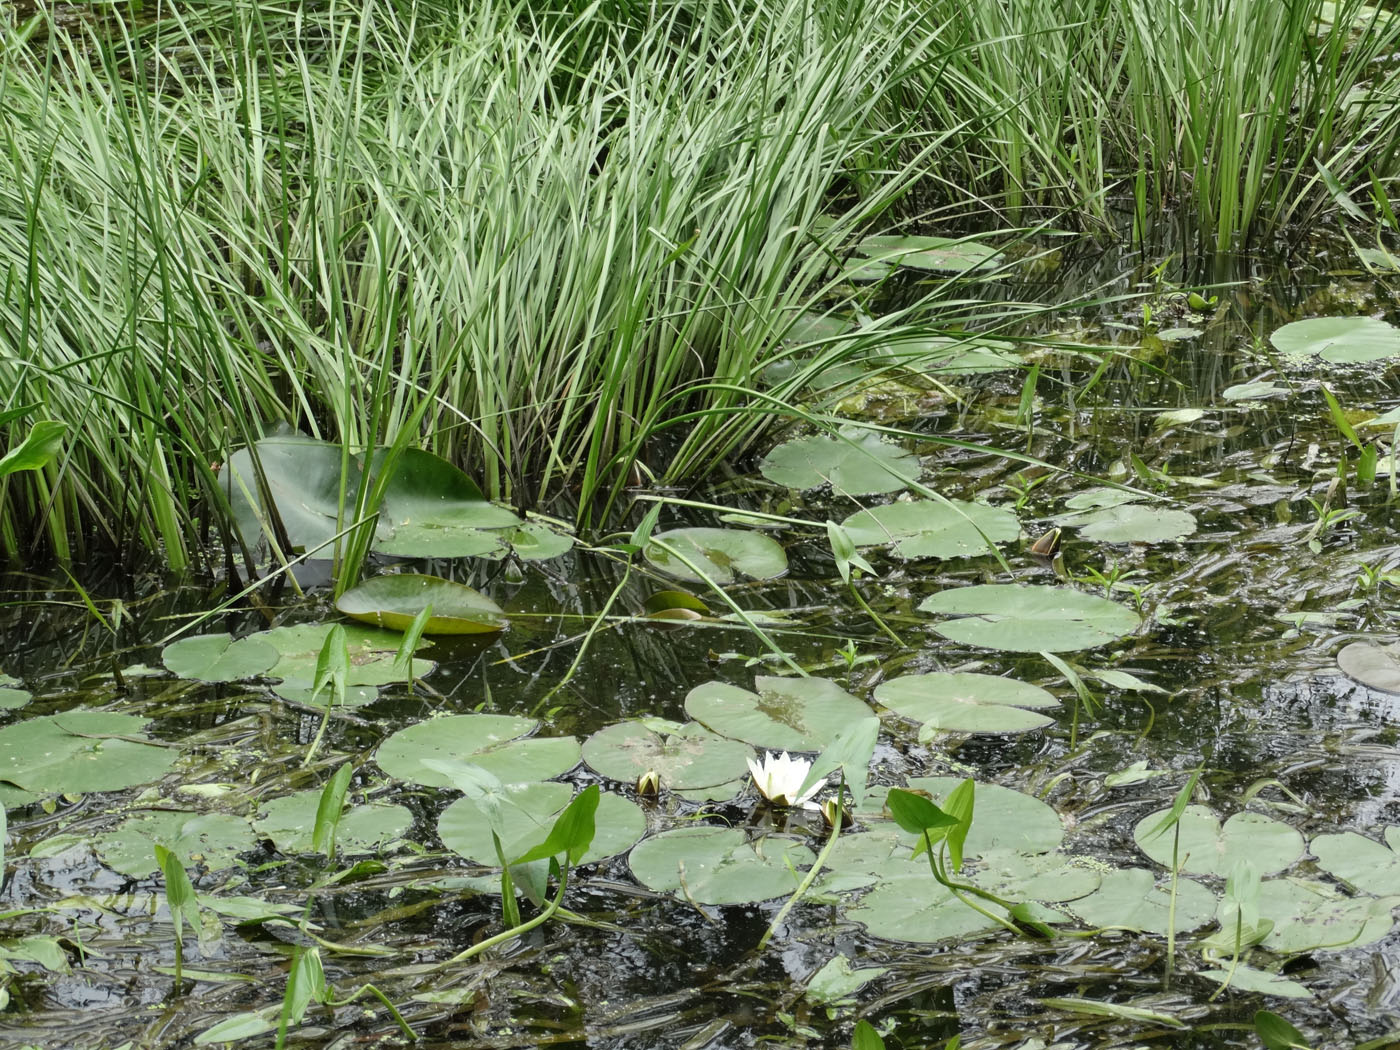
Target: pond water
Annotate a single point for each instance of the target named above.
(1232, 670)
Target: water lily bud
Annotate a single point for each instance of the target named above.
(649, 784)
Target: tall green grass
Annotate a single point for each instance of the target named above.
(530, 237)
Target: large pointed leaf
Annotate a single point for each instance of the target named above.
(394, 601)
(433, 510)
(304, 479)
(1021, 618)
(933, 528)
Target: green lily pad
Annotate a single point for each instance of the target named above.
(856, 462)
(1003, 820)
(433, 510)
(12, 698)
(936, 254)
(536, 542)
(1132, 899)
(690, 757)
(372, 653)
(1361, 862)
(710, 865)
(1132, 523)
(837, 982)
(1339, 340)
(915, 908)
(529, 811)
(717, 553)
(1374, 666)
(1256, 391)
(1310, 915)
(211, 840)
(393, 601)
(497, 743)
(1248, 979)
(218, 658)
(290, 822)
(1101, 496)
(1020, 618)
(301, 691)
(81, 751)
(967, 703)
(933, 529)
(946, 355)
(1050, 877)
(1209, 848)
(786, 714)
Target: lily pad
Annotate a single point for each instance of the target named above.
(1132, 899)
(933, 529)
(1020, 618)
(393, 601)
(937, 254)
(1374, 666)
(301, 691)
(1132, 523)
(967, 703)
(529, 811)
(1248, 979)
(856, 462)
(1339, 340)
(290, 822)
(218, 658)
(1050, 877)
(211, 840)
(433, 510)
(786, 714)
(81, 751)
(1361, 862)
(915, 908)
(710, 865)
(497, 743)
(689, 758)
(1310, 915)
(372, 653)
(837, 982)
(537, 542)
(1207, 847)
(717, 553)
(946, 355)
(1004, 820)
(11, 696)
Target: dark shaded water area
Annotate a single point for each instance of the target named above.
(1242, 622)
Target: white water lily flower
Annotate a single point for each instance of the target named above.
(779, 779)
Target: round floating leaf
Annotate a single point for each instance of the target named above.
(528, 812)
(299, 691)
(290, 822)
(855, 462)
(933, 529)
(967, 703)
(717, 553)
(710, 865)
(1019, 618)
(1361, 862)
(1341, 340)
(536, 542)
(1003, 820)
(80, 751)
(372, 653)
(945, 355)
(497, 743)
(1248, 979)
(1131, 898)
(786, 714)
(212, 840)
(690, 758)
(1048, 877)
(1374, 666)
(1209, 848)
(218, 658)
(937, 254)
(10, 697)
(433, 510)
(394, 600)
(1132, 523)
(1309, 915)
(915, 908)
